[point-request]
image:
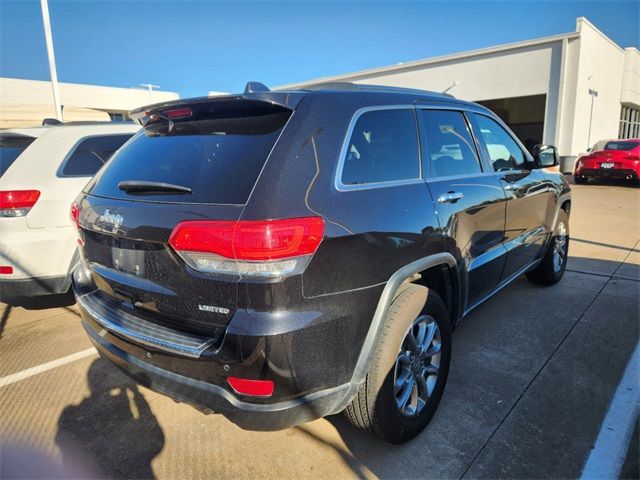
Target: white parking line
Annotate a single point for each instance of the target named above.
(30, 372)
(608, 454)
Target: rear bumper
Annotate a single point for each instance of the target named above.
(309, 356)
(33, 287)
(216, 399)
(617, 173)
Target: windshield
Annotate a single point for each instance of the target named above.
(621, 145)
(11, 146)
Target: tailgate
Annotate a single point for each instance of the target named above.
(126, 250)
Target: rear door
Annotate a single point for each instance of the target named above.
(469, 202)
(530, 194)
(196, 162)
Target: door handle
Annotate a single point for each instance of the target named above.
(450, 197)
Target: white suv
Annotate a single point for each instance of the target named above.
(42, 170)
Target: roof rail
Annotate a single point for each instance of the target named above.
(349, 86)
(254, 87)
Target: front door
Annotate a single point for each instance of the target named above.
(469, 202)
(529, 194)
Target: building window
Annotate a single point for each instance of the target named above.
(118, 117)
(629, 123)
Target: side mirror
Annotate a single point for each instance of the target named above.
(545, 156)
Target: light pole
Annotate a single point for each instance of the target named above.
(52, 59)
(594, 93)
(149, 86)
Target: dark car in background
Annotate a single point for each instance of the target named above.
(279, 256)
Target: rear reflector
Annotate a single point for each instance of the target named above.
(75, 214)
(17, 203)
(6, 270)
(259, 248)
(252, 388)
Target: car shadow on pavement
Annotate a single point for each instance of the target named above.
(112, 432)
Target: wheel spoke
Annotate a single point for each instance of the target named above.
(422, 333)
(402, 378)
(433, 350)
(423, 390)
(405, 393)
(430, 334)
(431, 369)
(411, 340)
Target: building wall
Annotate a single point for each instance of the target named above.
(563, 67)
(27, 102)
(514, 73)
(630, 94)
(597, 64)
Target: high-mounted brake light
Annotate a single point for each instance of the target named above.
(252, 388)
(17, 203)
(178, 113)
(268, 248)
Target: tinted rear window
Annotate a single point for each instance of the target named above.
(219, 158)
(621, 145)
(91, 153)
(11, 146)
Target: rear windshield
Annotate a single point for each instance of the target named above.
(621, 145)
(218, 156)
(11, 146)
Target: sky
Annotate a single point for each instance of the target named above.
(193, 47)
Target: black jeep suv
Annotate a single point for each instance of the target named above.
(279, 256)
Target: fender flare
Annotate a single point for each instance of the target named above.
(395, 284)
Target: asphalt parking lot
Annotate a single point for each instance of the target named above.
(533, 374)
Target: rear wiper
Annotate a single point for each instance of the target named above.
(150, 188)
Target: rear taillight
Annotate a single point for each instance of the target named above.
(264, 248)
(6, 270)
(17, 203)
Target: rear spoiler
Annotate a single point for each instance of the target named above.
(190, 109)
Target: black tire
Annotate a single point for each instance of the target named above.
(374, 408)
(547, 271)
(580, 180)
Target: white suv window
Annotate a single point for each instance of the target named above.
(11, 147)
(91, 153)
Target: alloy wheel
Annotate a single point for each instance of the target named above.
(417, 366)
(560, 247)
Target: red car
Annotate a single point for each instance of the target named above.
(610, 159)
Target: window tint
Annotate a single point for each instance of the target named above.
(383, 147)
(218, 156)
(621, 145)
(504, 152)
(91, 154)
(11, 146)
(447, 145)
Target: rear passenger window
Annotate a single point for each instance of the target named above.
(383, 148)
(11, 147)
(447, 144)
(504, 152)
(91, 154)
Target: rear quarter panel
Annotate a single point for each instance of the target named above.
(369, 233)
